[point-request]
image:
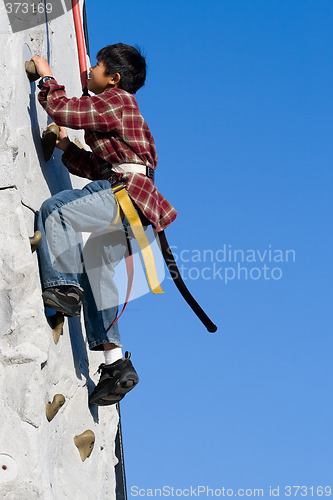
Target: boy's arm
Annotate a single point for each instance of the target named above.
(80, 162)
(88, 113)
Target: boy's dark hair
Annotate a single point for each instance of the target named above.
(128, 62)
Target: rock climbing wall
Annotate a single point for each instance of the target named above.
(43, 446)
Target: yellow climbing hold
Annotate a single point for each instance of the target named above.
(78, 143)
(35, 240)
(49, 140)
(31, 71)
(53, 408)
(85, 443)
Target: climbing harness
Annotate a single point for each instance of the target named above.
(126, 205)
(130, 276)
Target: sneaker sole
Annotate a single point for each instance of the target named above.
(52, 302)
(122, 387)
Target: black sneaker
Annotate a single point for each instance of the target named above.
(116, 380)
(66, 299)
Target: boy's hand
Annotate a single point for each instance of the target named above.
(62, 141)
(42, 66)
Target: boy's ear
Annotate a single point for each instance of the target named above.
(114, 79)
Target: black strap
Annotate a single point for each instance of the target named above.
(121, 490)
(150, 173)
(175, 274)
(85, 30)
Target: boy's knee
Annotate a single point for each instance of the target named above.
(48, 206)
(54, 202)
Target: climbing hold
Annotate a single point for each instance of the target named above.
(56, 322)
(8, 468)
(85, 444)
(78, 143)
(31, 71)
(49, 140)
(53, 408)
(35, 240)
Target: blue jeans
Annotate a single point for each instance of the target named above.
(64, 261)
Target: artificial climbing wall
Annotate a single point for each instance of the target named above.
(38, 455)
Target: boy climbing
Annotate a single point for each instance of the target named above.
(122, 149)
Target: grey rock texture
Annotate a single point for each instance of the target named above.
(38, 459)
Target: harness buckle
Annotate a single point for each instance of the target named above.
(112, 178)
(118, 186)
(150, 173)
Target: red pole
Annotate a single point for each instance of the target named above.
(80, 44)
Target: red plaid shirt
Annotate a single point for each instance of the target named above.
(116, 133)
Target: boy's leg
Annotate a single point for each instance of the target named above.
(102, 253)
(60, 220)
(50, 274)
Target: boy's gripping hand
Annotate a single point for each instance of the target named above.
(42, 66)
(62, 141)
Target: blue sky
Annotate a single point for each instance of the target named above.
(239, 100)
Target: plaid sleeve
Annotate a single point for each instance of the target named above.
(89, 113)
(80, 162)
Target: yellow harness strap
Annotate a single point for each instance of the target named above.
(126, 205)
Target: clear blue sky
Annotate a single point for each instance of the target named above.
(239, 100)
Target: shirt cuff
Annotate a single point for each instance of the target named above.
(47, 86)
(71, 154)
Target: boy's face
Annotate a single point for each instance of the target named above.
(98, 81)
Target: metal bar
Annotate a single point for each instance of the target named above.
(80, 44)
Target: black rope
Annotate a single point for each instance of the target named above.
(175, 274)
(27, 206)
(121, 489)
(85, 29)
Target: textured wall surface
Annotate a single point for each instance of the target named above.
(38, 458)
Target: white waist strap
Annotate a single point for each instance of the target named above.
(132, 168)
